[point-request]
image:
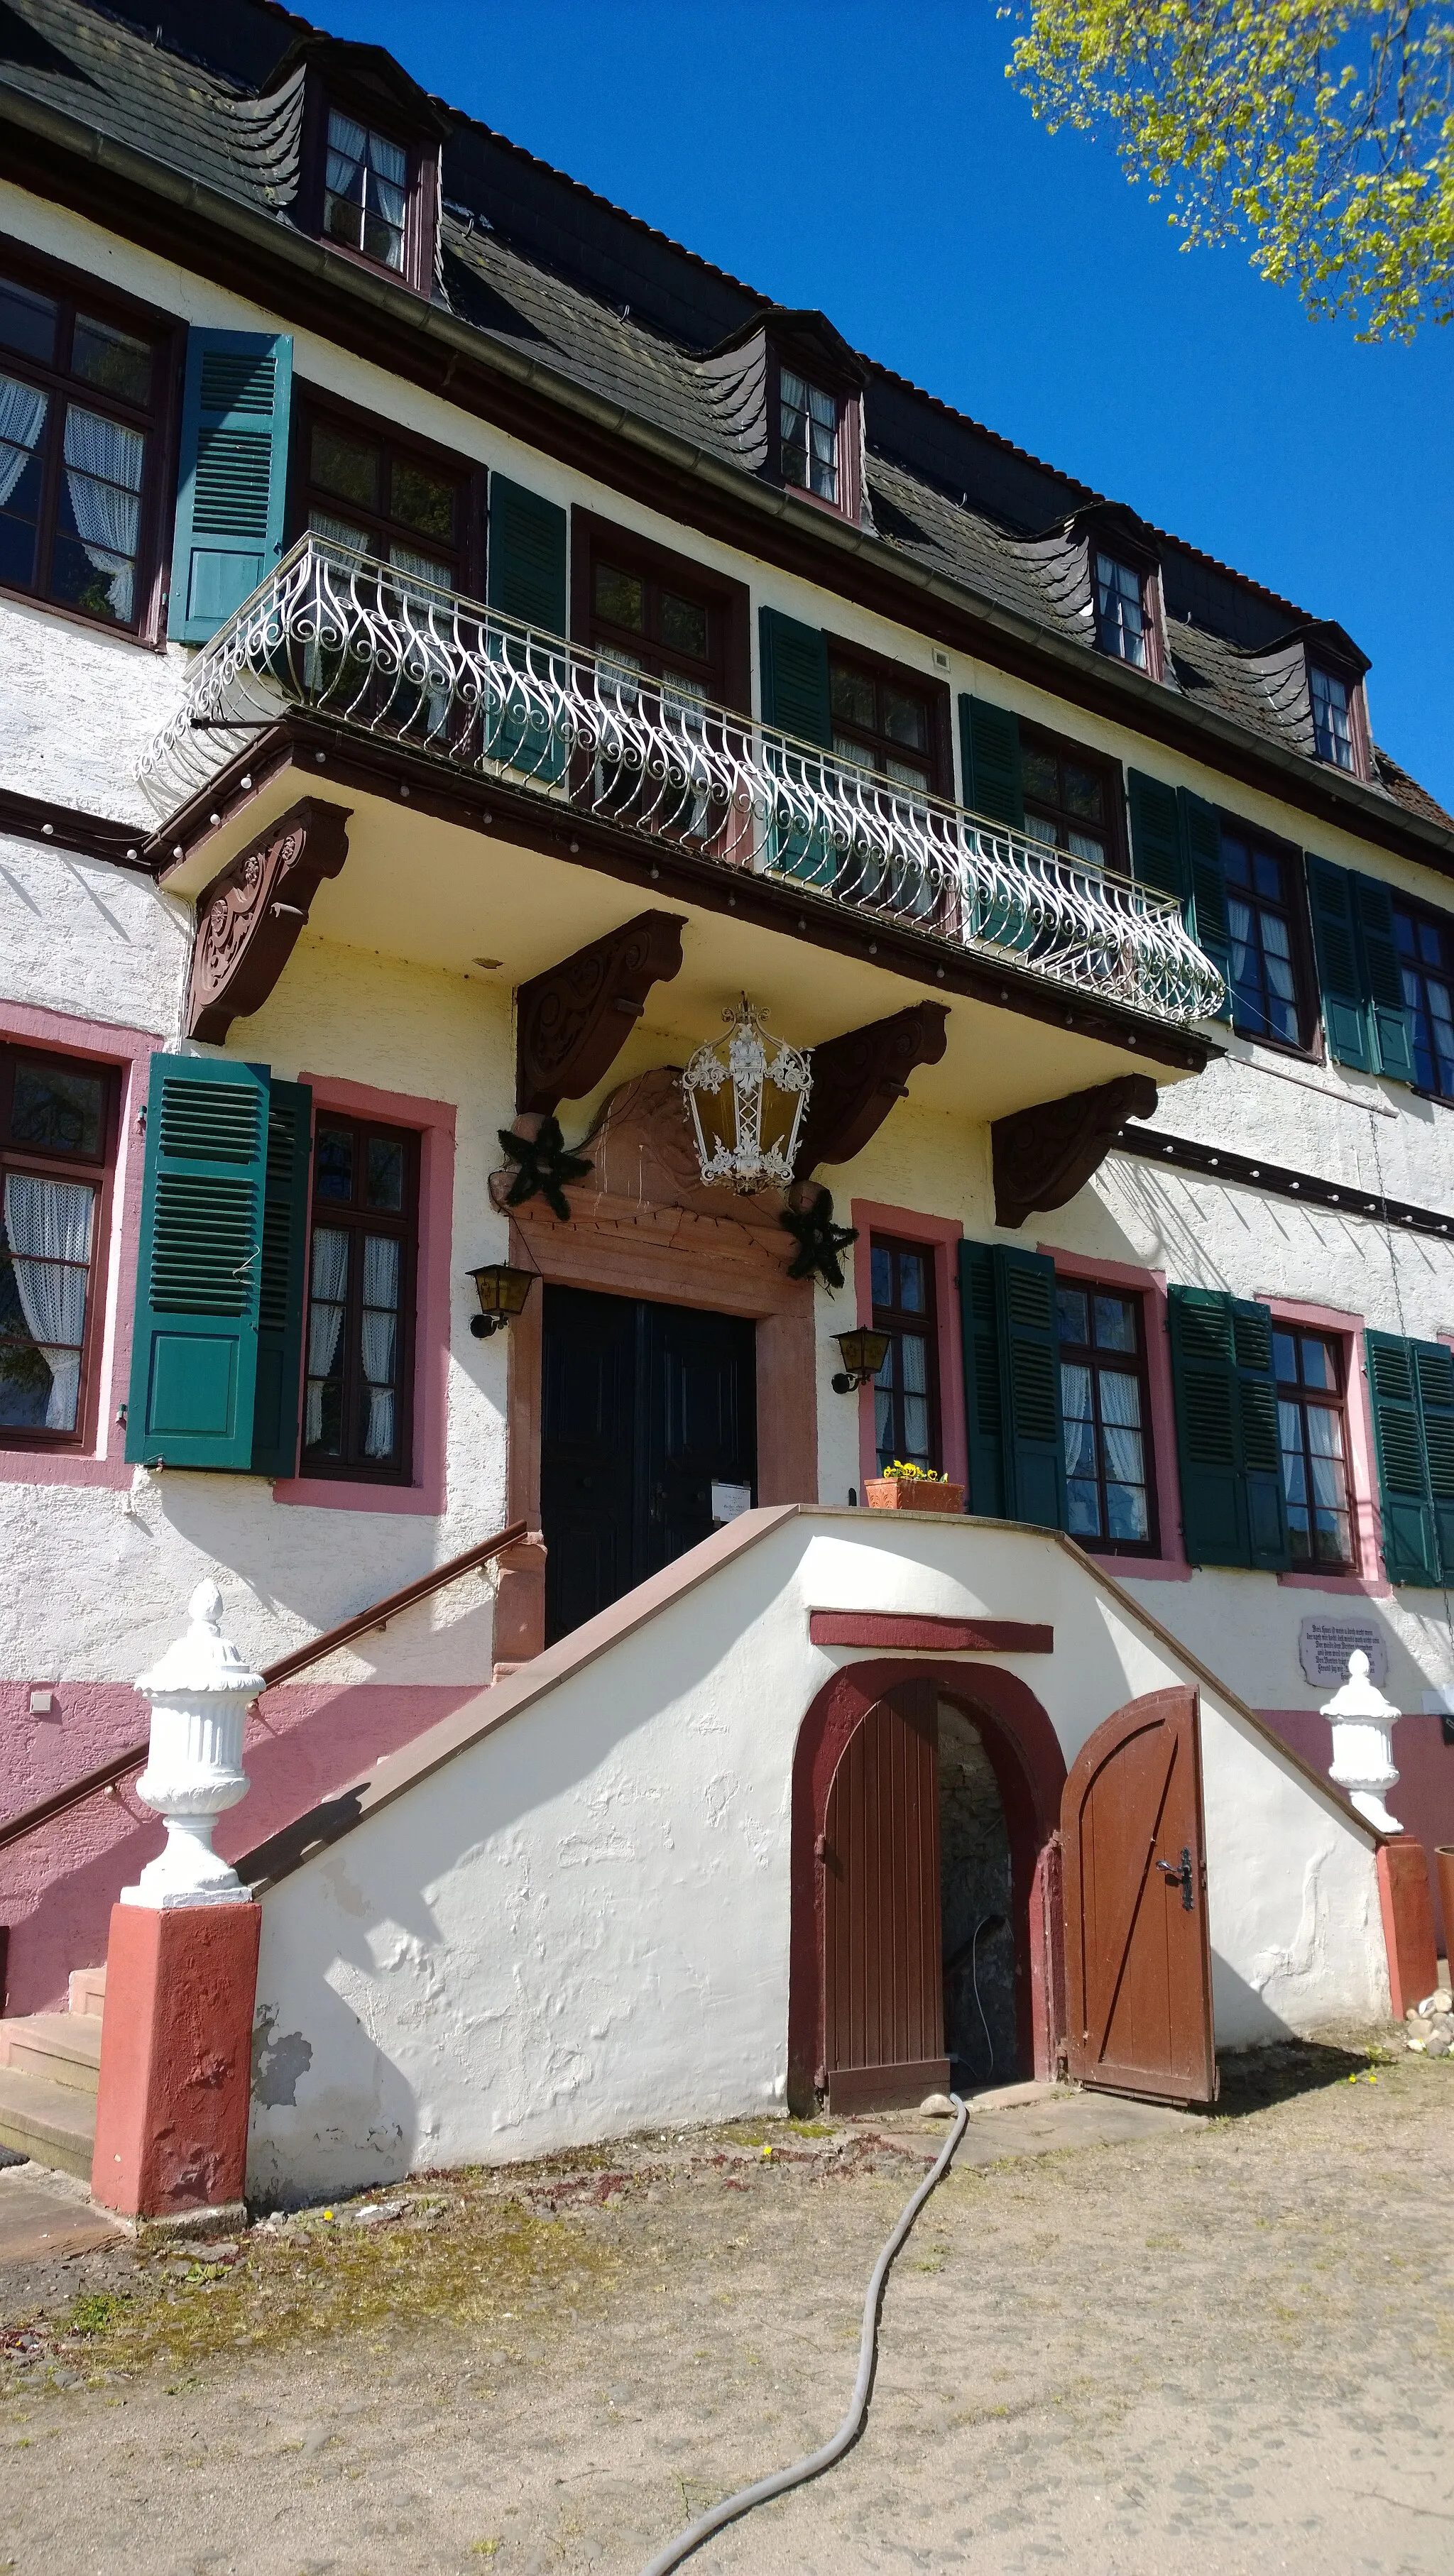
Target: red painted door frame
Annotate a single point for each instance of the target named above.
(1024, 1751)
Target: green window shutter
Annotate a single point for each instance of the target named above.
(526, 556)
(983, 1406)
(1158, 848)
(1012, 1384)
(989, 745)
(1383, 983)
(232, 488)
(1410, 1540)
(283, 1279)
(1434, 1370)
(194, 1355)
(1208, 1445)
(1340, 974)
(1267, 1535)
(1202, 842)
(795, 691)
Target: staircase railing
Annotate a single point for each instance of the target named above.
(378, 1614)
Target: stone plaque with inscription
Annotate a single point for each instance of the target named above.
(1324, 1646)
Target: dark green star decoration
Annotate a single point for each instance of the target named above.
(544, 1166)
(821, 1244)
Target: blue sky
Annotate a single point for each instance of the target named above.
(876, 163)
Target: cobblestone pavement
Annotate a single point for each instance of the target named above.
(1117, 2341)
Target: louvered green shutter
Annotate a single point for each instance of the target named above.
(989, 745)
(984, 1409)
(232, 488)
(1383, 983)
(795, 688)
(1434, 1367)
(526, 582)
(1410, 1530)
(1012, 1384)
(526, 556)
(1340, 975)
(283, 1279)
(1202, 843)
(194, 1357)
(1158, 849)
(1267, 1534)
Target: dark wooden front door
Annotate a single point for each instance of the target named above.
(644, 1408)
(1137, 1958)
(883, 1991)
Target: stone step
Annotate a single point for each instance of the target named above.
(66, 2047)
(88, 1990)
(53, 2124)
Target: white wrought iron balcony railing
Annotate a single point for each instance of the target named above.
(382, 652)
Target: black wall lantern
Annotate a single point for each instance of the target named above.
(863, 1356)
(502, 1293)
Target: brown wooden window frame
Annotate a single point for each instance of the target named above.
(99, 1169)
(1351, 681)
(899, 1321)
(938, 755)
(595, 540)
(312, 407)
(1293, 1392)
(1307, 998)
(808, 363)
(1099, 1360)
(421, 190)
(357, 1219)
(1035, 737)
(73, 291)
(1144, 568)
(1422, 970)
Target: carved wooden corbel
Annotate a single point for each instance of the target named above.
(250, 916)
(1042, 1156)
(576, 1017)
(858, 1077)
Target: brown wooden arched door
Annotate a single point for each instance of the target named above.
(1138, 1972)
(883, 1995)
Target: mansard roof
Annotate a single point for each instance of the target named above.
(534, 262)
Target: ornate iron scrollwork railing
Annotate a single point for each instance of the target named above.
(384, 653)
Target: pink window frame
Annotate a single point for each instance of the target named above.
(1370, 1580)
(1171, 1565)
(942, 1236)
(128, 1052)
(434, 1123)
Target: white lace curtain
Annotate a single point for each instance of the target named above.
(380, 1322)
(325, 1322)
(103, 483)
(22, 418)
(48, 1229)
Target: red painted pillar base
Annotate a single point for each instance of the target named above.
(176, 2059)
(1408, 1921)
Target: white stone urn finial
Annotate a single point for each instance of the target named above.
(200, 1693)
(1363, 1721)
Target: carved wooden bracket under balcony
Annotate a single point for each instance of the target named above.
(576, 1017)
(249, 918)
(1042, 1156)
(858, 1077)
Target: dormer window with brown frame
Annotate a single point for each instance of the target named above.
(809, 436)
(365, 191)
(1335, 735)
(1124, 611)
(370, 161)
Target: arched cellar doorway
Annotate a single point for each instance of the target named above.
(890, 1878)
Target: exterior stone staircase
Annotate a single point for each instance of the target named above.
(49, 2067)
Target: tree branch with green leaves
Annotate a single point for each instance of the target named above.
(1322, 135)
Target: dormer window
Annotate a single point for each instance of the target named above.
(1121, 621)
(1332, 718)
(365, 191)
(808, 436)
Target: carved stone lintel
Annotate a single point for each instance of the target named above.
(250, 916)
(576, 1017)
(858, 1077)
(1042, 1156)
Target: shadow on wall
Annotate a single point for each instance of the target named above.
(1241, 2016)
(344, 2141)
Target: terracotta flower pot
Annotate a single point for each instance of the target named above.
(911, 1494)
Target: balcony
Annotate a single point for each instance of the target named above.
(336, 635)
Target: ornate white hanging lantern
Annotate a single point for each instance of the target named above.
(746, 1093)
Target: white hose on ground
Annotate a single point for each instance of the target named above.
(848, 2431)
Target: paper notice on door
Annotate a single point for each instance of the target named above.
(729, 1502)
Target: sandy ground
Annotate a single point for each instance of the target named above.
(1118, 2340)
